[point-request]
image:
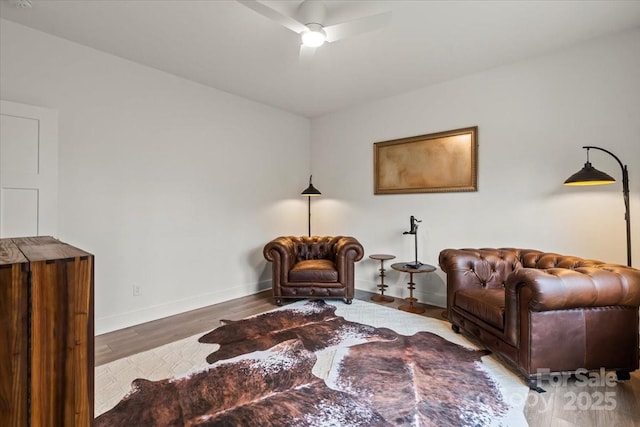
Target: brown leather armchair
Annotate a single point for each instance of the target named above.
(313, 267)
(545, 313)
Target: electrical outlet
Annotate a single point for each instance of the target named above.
(136, 290)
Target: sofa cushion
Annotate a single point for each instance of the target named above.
(486, 304)
(314, 270)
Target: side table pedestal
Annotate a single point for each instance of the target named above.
(382, 297)
(405, 268)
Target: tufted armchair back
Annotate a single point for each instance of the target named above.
(314, 247)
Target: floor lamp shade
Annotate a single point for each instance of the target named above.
(589, 175)
(310, 192)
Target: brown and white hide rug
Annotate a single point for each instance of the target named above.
(313, 363)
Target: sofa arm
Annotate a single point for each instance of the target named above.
(561, 288)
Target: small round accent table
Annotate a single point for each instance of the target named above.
(382, 297)
(405, 268)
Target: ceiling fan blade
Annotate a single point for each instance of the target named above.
(274, 15)
(357, 26)
(306, 54)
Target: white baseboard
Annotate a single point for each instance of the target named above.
(107, 324)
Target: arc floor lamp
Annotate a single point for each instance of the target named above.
(589, 175)
(310, 192)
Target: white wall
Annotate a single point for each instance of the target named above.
(533, 119)
(170, 184)
(176, 186)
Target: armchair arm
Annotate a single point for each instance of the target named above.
(347, 251)
(345, 244)
(281, 252)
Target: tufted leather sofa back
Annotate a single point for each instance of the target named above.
(544, 260)
(490, 267)
(314, 247)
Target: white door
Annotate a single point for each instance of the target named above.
(28, 170)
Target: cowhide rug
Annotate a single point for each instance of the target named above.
(304, 365)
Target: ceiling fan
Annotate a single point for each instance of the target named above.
(310, 24)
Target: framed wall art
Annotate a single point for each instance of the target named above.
(433, 163)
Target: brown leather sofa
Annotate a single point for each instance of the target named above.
(313, 267)
(545, 313)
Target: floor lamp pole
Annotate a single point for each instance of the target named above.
(311, 191)
(625, 194)
(627, 214)
(309, 197)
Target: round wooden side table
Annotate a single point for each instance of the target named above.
(382, 297)
(406, 268)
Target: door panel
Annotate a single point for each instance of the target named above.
(20, 212)
(28, 170)
(19, 149)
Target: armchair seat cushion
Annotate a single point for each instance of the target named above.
(314, 270)
(486, 304)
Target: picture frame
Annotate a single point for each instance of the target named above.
(434, 163)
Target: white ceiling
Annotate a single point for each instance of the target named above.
(223, 44)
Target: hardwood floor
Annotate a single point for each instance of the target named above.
(584, 403)
(138, 338)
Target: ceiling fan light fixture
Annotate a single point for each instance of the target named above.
(314, 36)
(21, 4)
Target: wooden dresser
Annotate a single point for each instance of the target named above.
(46, 331)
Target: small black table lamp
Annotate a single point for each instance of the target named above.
(311, 191)
(414, 230)
(589, 175)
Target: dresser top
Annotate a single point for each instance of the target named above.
(31, 249)
(10, 254)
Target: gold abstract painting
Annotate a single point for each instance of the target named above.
(438, 162)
